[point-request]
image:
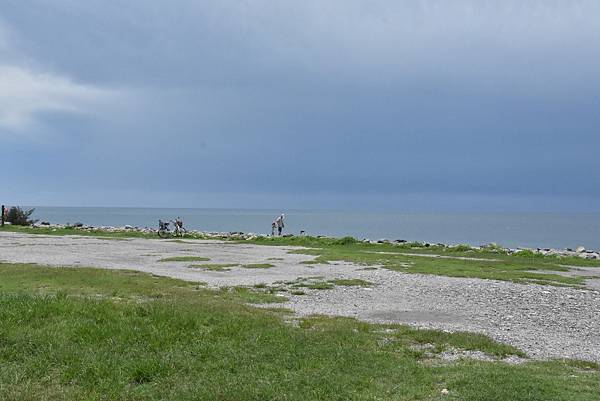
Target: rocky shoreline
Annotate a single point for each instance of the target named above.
(579, 252)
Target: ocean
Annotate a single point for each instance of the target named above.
(544, 230)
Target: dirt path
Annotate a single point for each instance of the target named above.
(544, 321)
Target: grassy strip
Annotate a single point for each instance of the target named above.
(490, 252)
(87, 334)
(351, 282)
(485, 263)
(185, 259)
(75, 231)
(258, 266)
(214, 266)
(515, 269)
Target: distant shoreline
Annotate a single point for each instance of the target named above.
(146, 232)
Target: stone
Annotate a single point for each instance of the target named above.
(580, 249)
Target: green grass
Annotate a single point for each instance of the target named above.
(413, 258)
(353, 282)
(214, 266)
(315, 285)
(490, 252)
(258, 266)
(185, 259)
(89, 334)
(314, 262)
(98, 233)
(103, 234)
(514, 269)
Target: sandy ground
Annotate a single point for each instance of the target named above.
(544, 321)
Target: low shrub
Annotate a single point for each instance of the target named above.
(20, 217)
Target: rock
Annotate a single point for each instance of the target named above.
(77, 225)
(580, 249)
(590, 255)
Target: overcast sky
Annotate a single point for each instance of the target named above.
(404, 105)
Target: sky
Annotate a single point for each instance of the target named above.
(428, 105)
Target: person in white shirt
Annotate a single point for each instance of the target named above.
(279, 223)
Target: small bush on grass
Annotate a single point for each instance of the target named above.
(20, 217)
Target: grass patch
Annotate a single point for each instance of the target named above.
(185, 259)
(65, 335)
(354, 282)
(317, 285)
(103, 234)
(251, 296)
(214, 266)
(317, 261)
(485, 263)
(98, 233)
(258, 266)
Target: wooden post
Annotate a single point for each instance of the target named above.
(3, 215)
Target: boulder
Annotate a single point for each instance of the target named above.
(580, 249)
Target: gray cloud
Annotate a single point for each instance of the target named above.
(318, 99)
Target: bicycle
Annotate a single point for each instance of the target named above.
(164, 231)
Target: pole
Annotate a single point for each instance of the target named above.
(3, 215)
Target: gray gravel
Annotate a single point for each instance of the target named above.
(544, 321)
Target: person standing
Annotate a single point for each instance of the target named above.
(280, 224)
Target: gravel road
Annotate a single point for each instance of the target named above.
(544, 321)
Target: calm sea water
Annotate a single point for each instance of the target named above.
(508, 229)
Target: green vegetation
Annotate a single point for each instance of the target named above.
(185, 259)
(458, 261)
(214, 266)
(76, 231)
(317, 283)
(489, 262)
(258, 266)
(353, 282)
(314, 262)
(91, 334)
(19, 217)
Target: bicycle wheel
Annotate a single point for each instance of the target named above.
(164, 233)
